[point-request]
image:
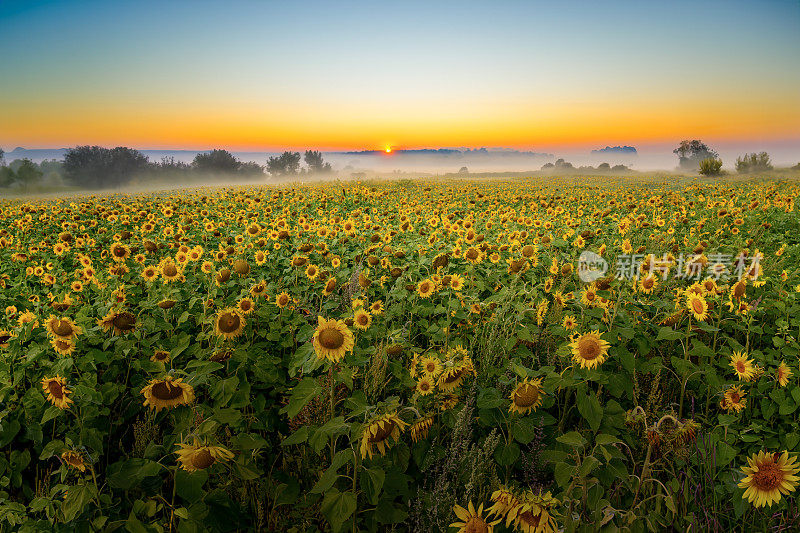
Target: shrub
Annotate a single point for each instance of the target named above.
(710, 166)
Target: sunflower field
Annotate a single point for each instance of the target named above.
(469, 356)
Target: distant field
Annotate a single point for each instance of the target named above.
(539, 353)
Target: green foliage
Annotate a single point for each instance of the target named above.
(753, 162)
(710, 166)
(287, 164)
(692, 153)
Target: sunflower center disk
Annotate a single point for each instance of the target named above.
(228, 322)
(768, 477)
(526, 396)
(331, 338)
(55, 389)
(164, 391)
(203, 459)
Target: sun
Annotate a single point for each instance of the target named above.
(388, 149)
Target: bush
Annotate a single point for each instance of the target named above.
(753, 163)
(710, 166)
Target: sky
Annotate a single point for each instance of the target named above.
(367, 75)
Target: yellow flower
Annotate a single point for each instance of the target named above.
(768, 476)
(199, 456)
(526, 396)
(57, 392)
(472, 521)
(742, 366)
(425, 386)
(229, 323)
(782, 374)
(167, 393)
(376, 435)
(697, 305)
(589, 350)
(332, 339)
(362, 319)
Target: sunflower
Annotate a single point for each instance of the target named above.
(425, 386)
(589, 350)
(166, 303)
(782, 374)
(569, 323)
(119, 251)
(419, 429)
(362, 319)
(733, 399)
(527, 396)
(5, 336)
(62, 346)
(425, 288)
(28, 318)
(199, 456)
(531, 514)
(376, 308)
(456, 282)
(63, 328)
(282, 300)
(648, 284)
(453, 377)
(472, 521)
(698, 306)
(74, 460)
(170, 271)
(259, 289)
(120, 322)
(229, 323)
(167, 393)
(332, 339)
(246, 306)
(742, 366)
(589, 296)
(57, 393)
(431, 366)
(160, 356)
(376, 434)
(768, 476)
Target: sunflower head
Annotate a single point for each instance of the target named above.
(589, 350)
(378, 434)
(57, 392)
(198, 456)
(167, 393)
(229, 323)
(332, 339)
(527, 396)
(768, 476)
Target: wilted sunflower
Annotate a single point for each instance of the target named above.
(166, 303)
(120, 322)
(61, 346)
(419, 429)
(742, 366)
(425, 386)
(768, 476)
(63, 328)
(589, 350)
(199, 456)
(74, 460)
(531, 514)
(229, 323)
(362, 319)
(527, 396)
(376, 434)
(332, 339)
(57, 393)
(472, 521)
(167, 393)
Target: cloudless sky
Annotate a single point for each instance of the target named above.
(363, 75)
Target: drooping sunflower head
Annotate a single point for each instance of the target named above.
(120, 322)
(378, 434)
(63, 346)
(5, 336)
(63, 328)
(74, 460)
(57, 392)
(453, 377)
(782, 374)
(526, 396)
(160, 356)
(167, 393)
(166, 303)
(589, 350)
(332, 339)
(420, 428)
(199, 456)
(768, 476)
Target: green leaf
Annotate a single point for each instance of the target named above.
(590, 409)
(302, 393)
(573, 438)
(125, 474)
(507, 454)
(338, 507)
(668, 334)
(524, 430)
(298, 437)
(373, 479)
(76, 499)
(189, 485)
(725, 454)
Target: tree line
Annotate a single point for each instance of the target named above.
(96, 167)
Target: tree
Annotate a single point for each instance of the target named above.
(315, 163)
(753, 163)
(690, 153)
(216, 161)
(98, 167)
(28, 173)
(6, 176)
(287, 164)
(463, 170)
(2, 157)
(710, 166)
(603, 167)
(251, 168)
